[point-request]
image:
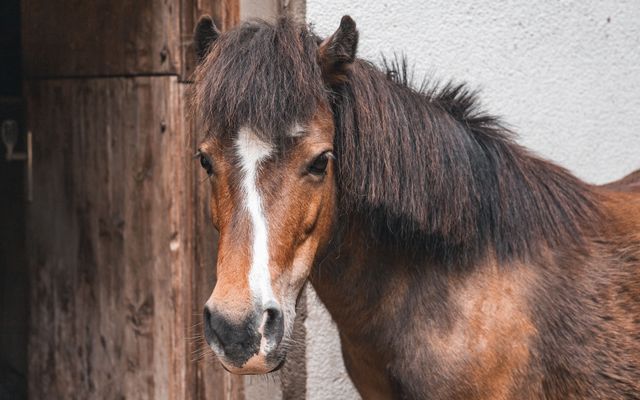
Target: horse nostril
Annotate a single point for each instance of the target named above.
(273, 323)
(210, 328)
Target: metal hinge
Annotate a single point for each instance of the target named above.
(10, 137)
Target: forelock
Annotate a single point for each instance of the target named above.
(265, 76)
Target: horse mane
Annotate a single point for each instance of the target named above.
(431, 168)
(425, 167)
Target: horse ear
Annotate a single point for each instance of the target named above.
(205, 34)
(337, 52)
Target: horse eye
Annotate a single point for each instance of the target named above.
(319, 165)
(206, 164)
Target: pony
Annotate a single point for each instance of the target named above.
(455, 263)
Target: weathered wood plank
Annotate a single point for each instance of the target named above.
(101, 38)
(116, 38)
(111, 240)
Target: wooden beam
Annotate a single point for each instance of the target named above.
(70, 38)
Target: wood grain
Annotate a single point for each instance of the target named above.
(69, 38)
(111, 253)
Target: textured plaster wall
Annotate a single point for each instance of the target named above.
(565, 75)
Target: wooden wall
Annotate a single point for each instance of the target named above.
(121, 250)
(104, 38)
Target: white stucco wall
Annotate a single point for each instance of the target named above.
(565, 75)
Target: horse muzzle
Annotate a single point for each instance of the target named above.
(248, 346)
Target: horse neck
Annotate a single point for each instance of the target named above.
(355, 273)
(479, 200)
(371, 288)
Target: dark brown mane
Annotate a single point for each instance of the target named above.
(426, 165)
(431, 166)
(261, 75)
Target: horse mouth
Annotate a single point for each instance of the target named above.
(250, 371)
(277, 367)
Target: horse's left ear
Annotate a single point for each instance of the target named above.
(205, 34)
(337, 52)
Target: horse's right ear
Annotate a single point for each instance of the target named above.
(205, 34)
(337, 52)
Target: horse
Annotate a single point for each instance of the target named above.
(455, 263)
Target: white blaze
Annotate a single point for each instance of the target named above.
(251, 151)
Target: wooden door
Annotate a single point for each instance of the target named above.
(120, 246)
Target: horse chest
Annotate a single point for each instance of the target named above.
(481, 349)
(477, 346)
